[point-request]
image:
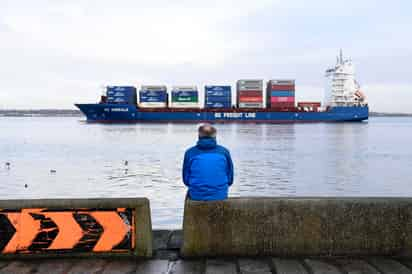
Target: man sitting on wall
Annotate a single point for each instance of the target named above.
(207, 168)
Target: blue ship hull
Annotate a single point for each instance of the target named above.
(123, 113)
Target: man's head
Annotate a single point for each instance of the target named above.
(207, 130)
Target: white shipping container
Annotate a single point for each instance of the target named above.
(282, 82)
(241, 88)
(153, 87)
(250, 81)
(251, 105)
(153, 105)
(184, 105)
(184, 88)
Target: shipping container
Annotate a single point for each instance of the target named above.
(159, 98)
(250, 105)
(121, 88)
(218, 99)
(250, 93)
(153, 87)
(184, 105)
(281, 82)
(244, 99)
(282, 93)
(282, 99)
(153, 104)
(184, 88)
(282, 87)
(185, 93)
(185, 99)
(225, 89)
(249, 85)
(253, 82)
(218, 94)
(121, 95)
(146, 96)
(281, 105)
(218, 105)
(311, 104)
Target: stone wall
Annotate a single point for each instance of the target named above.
(298, 227)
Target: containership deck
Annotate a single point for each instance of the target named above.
(344, 102)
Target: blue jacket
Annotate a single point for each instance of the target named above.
(207, 170)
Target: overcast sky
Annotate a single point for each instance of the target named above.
(54, 53)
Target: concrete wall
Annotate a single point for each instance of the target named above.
(298, 227)
(75, 227)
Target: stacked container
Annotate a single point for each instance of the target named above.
(249, 93)
(280, 94)
(185, 97)
(153, 97)
(218, 97)
(121, 95)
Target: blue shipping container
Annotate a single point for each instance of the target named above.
(121, 88)
(153, 93)
(218, 105)
(218, 88)
(153, 99)
(218, 91)
(185, 93)
(121, 91)
(282, 93)
(121, 94)
(218, 99)
(120, 100)
(152, 96)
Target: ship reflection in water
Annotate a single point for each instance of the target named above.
(350, 159)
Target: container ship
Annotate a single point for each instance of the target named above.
(255, 102)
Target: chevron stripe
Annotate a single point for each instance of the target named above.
(43, 230)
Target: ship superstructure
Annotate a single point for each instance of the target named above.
(343, 89)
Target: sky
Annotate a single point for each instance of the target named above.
(54, 53)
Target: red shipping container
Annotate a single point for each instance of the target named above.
(283, 87)
(250, 99)
(251, 93)
(281, 105)
(274, 99)
(309, 104)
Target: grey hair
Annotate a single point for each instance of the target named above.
(207, 130)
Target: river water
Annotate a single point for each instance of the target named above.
(371, 158)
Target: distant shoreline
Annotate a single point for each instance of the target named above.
(40, 113)
(77, 113)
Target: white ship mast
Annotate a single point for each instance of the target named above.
(342, 89)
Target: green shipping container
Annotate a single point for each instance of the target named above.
(191, 99)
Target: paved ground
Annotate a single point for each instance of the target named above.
(167, 260)
(208, 266)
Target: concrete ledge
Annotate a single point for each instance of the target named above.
(75, 228)
(307, 226)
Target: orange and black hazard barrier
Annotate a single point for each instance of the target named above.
(74, 230)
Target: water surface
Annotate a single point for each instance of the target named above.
(347, 159)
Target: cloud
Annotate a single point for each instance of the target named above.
(57, 52)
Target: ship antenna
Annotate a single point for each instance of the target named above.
(341, 56)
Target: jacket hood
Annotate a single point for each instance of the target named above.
(206, 143)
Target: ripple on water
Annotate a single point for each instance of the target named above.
(356, 159)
